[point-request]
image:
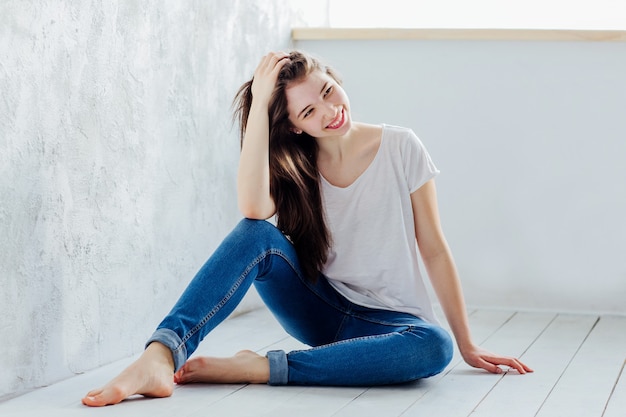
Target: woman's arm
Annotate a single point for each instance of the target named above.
(442, 271)
(253, 175)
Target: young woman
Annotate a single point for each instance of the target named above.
(353, 202)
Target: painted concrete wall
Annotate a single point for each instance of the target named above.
(530, 139)
(117, 167)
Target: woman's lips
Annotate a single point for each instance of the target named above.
(338, 122)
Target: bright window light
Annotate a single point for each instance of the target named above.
(492, 14)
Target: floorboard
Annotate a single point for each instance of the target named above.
(616, 406)
(579, 362)
(389, 401)
(462, 389)
(585, 387)
(550, 354)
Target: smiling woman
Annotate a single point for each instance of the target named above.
(527, 14)
(338, 188)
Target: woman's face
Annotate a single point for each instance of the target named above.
(318, 106)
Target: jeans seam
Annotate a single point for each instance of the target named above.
(341, 325)
(230, 293)
(409, 329)
(344, 341)
(384, 322)
(307, 284)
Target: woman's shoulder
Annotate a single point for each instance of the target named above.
(368, 129)
(396, 137)
(367, 135)
(382, 128)
(397, 131)
(399, 138)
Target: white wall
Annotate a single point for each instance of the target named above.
(531, 141)
(117, 167)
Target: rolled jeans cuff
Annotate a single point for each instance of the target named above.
(171, 340)
(279, 369)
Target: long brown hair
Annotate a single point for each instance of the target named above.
(294, 177)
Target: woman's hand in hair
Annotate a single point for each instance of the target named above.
(253, 176)
(266, 75)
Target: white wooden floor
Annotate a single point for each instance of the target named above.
(578, 360)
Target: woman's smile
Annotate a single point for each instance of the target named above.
(338, 121)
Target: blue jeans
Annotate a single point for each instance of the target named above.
(352, 345)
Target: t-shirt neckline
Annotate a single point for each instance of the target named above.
(369, 167)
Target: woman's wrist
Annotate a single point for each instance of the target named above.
(260, 103)
(465, 344)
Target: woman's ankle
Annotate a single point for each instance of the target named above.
(157, 351)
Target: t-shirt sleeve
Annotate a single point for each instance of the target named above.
(418, 166)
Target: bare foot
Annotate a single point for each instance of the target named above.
(245, 367)
(151, 375)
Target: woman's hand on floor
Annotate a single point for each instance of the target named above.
(480, 358)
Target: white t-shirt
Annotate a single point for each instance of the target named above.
(373, 259)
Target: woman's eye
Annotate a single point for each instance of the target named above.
(328, 91)
(308, 112)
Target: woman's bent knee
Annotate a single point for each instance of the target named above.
(433, 352)
(443, 349)
(258, 229)
(254, 225)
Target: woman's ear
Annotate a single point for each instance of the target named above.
(296, 131)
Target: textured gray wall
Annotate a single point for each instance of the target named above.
(117, 167)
